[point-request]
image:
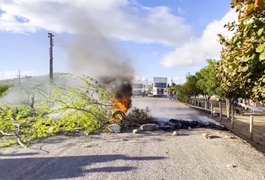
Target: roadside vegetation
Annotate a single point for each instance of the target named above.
(4, 88)
(62, 110)
(59, 109)
(240, 73)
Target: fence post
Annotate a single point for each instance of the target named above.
(206, 104)
(251, 122)
(221, 111)
(211, 105)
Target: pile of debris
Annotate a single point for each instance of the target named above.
(167, 125)
(137, 117)
(134, 119)
(174, 124)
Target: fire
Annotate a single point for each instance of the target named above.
(121, 104)
(120, 108)
(121, 101)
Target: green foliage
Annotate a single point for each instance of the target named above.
(204, 82)
(86, 108)
(181, 93)
(207, 80)
(241, 71)
(242, 67)
(3, 89)
(190, 86)
(20, 122)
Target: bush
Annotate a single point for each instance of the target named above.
(3, 89)
(137, 117)
(18, 122)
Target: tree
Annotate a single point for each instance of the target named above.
(207, 79)
(180, 93)
(242, 66)
(86, 108)
(190, 87)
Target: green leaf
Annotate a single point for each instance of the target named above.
(235, 39)
(242, 69)
(260, 31)
(247, 58)
(262, 56)
(260, 48)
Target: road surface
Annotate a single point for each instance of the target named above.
(163, 108)
(146, 156)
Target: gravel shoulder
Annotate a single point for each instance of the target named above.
(148, 155)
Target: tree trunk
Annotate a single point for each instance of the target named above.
(228, 108)
(232, 117)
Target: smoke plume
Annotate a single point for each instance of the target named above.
(92, 54)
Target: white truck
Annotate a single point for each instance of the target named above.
(159, 86)
(138, 89)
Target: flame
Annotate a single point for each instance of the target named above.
(120, 104)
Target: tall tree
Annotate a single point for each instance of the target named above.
(207, 80)
(242, 68)
(190, 86)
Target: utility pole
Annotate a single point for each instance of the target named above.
(50, 35)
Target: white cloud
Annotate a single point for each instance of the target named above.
(15, 74)
(116, 19)
(199, 49)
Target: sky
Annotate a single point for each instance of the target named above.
(167, 38)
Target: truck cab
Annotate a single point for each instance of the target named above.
(159, 86)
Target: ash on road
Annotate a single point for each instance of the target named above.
(149, 155)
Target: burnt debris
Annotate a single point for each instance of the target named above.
(174, 124)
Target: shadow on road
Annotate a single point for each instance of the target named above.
(63, 167)
(18, 154)
(111, 169)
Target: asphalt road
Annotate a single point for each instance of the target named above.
(146, 156)
(163, 108)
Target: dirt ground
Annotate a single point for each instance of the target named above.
(149, 155)
(242, 126)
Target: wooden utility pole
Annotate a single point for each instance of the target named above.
(50, 35)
